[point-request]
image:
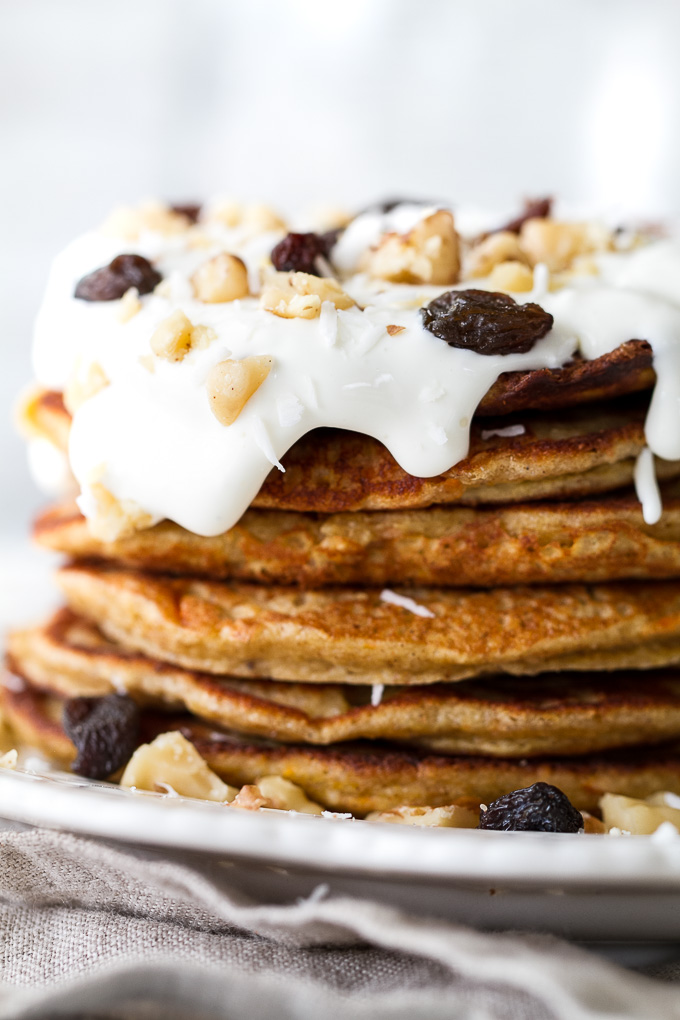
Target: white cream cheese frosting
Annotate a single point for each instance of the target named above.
(150, 437)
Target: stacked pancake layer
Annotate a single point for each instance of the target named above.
(383, 639)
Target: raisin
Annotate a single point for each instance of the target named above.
(534, 208)
(485, 321)
(191, 211)
(389, 204)
(110, 282)
(538, 808)
(300, 253)
(105, 732)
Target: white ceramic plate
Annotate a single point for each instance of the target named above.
(588, 887)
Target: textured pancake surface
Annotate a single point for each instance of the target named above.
(350, 635)
(550, 714)
(566, 454)
(603, 539)
(364, 777)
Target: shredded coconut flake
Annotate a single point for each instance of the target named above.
(377, 691)
(509, 430)
(429, 394)
(357, 385)
(384, 377)
(12, 682)
(672, 800)
(666, 833)
(307, 384)
(404, 602)
(328, 322)
(317, 894)
(437, 434)
(289, 409)
(337, 814)
(261, 437)
(541, 282)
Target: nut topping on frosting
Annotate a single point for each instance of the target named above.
(149, 217)
(222, 278)
(176, 336)
(486, 322)
(300, 295)
(231, 384)
(490, 252)
(84, 385)
(111, 282)
(558, 244)
(429, 253)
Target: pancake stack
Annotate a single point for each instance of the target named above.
(382, 639)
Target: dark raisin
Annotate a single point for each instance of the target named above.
(110, 282)
(485, 321)
(301, 253)
(191, 211)
(534, 208)
(105, 732)
(388, 204)
(538, 808)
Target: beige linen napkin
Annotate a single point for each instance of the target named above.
(91, 929)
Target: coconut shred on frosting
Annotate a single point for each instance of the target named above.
(148, 373)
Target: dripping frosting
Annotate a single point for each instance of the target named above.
(150, 437)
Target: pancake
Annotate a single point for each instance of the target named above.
(573, 453)
(371, 777)
(554, 714)
(593, 540)
(351, 635)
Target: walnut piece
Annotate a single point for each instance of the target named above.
(115, 518)
(287, 796)
(453, 816)
(427, 254)
(176, 336)
(254, 218)
(222, 278)
(171, 761)
(300, 295)
(129, 222)
(557, 243)
(231, 384)
(84, 385)
(639, 817)
(489, 252)
(513, 277)
(129, 305)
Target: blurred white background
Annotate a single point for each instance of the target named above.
(303, 101)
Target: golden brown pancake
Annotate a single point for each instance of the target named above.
(573, 453)
(372, 777)
(555, 714)
(350, 635)
(602, 539)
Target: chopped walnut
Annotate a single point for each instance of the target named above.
(129, 305)
(129, 222)
(287, 796)
(9, 759)
(592, 825)
(82, 386)
(427, 254)
(639, 817)
(453, 816)
(172, 761)
(255, 218)
(557, 244)
(513, 277)
(231, 384)
(176, 336)
(250, 798)
(300, 295)
(222, 278)
(393, 330)
(489, 252)
(115, 518)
